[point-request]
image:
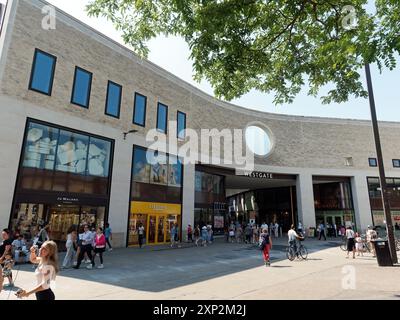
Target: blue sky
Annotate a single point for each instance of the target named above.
(172, 54)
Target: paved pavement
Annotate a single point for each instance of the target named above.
(222, 271)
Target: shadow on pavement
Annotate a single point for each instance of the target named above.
(156, 269)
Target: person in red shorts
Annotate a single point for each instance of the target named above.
(266, 246)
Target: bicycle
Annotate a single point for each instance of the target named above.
(301, 251)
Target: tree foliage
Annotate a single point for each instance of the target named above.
(274, 46)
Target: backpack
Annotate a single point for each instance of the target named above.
(264, 240)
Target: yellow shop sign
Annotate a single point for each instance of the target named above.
(155, 207)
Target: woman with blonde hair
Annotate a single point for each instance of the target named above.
(45, 273)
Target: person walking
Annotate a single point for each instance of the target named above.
(197, 235)
(42, 236)
(204, 235)
(87, 240)
(276, 228)
(108, 235)
(140, 235)
(264, 226)
(7, 262)
(45, 272)
(232, 233)
(350, 235)
(322, 231)
(189, 233)
(300, 227)
(359, 245)
(71, 247)
(371, 236)
(210, 234)
(173, 235)
(99, 246)
(266, 244)
(255, 233)
(247, 232)
(239, 234)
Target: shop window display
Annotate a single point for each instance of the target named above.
(52, 149)
(72, 152)
(156, 168)
(40, 148)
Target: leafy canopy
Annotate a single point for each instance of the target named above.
(268, 45)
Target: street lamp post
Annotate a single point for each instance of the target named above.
(382, 177)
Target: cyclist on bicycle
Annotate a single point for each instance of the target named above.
(293, 236)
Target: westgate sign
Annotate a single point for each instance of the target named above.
(261, 175)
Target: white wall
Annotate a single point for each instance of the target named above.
(362, 207)
(188, 194)
(305, 199)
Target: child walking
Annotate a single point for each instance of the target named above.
(359, 245)
(8, 263)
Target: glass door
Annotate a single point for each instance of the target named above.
(161, 229)
(134, 222)
(171, 220)
(62, 217)
(152, 229)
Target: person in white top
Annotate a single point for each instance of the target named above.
(45, 272)
(87, 241)
(71, 248)
(371, 235)
(300, 227)
(276, 228)
(351, 245)
(264, 226)
(293, 236)
(359, 244)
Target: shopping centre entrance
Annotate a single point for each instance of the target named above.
(223, 197)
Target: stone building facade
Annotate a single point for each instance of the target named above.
(304, 147)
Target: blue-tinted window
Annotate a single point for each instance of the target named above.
(181, 125)
(81, 89)
(113, 103)
(162, 116)
(396, 163)
(42, 72)
(139, 110)
(373, 162)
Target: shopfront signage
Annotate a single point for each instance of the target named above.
(258, 174)
(155, 208)
(67, 199)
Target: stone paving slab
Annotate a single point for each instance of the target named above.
(222, 271)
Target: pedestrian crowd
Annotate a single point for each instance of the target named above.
(82, 244)
(250, 233)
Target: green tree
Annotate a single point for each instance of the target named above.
(274, 46)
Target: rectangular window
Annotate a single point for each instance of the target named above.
(42, 73)
(64, 160)
(372, 162)
(113, 101)
(3, 7)
(81, 88)
(50, 148)
(139, 110)
(396, 163)
(162, 117)
(181, 125)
